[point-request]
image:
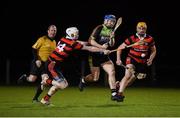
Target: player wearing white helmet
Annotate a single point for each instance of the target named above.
(65, 47)
(72, 33)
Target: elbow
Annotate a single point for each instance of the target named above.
(89, 41)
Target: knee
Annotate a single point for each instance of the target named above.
(64, 85)
(44, 77)
(111, 72)
(32, 78)
(60, 85)
(95, 77)
(127, 76)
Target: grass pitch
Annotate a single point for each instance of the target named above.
(15, 101)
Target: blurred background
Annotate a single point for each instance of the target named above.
(25, 21)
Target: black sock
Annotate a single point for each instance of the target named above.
(38, 92)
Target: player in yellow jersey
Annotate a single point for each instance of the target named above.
(41, 50)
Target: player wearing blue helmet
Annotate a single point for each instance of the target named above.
(103, 38)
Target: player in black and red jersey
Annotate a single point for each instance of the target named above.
(64, 49)
(139, 57)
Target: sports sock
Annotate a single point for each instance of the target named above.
(38, 92)
(113, 92)
(47, 97)
(49, 81)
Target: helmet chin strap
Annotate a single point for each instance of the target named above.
(141, 36)
(69, 37)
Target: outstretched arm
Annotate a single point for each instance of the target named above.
(83, 42)
(95, 49)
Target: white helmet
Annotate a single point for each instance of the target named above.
(72, 33)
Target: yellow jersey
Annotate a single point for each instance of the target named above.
(44, 47)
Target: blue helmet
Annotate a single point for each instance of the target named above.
(110, 17)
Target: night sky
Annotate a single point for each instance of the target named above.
(23, 22)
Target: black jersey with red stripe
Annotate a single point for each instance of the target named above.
(140, 53)
(64, 48)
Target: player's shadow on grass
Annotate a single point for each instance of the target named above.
(105, 105)
(111, 105)
(135, 105)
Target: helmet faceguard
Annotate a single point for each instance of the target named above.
(141, 28)
(72, 33)
(109, 20)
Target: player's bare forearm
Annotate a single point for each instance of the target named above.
(112, 42)
(94, 43)
(118, 54)
(119, 50)
(153, 53)
(92, 49)
(83, 42)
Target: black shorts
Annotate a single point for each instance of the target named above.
(54, 70)
(37, 70)
(139, 67)
(99, 58)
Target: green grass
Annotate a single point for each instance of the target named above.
(140, 101)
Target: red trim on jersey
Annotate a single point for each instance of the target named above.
(64, 48)
(138, 59)
(78, 46)
(54, 56)
(68, 48)
(137, 51)
(70, 42)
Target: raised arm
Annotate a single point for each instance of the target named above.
(94, 35)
